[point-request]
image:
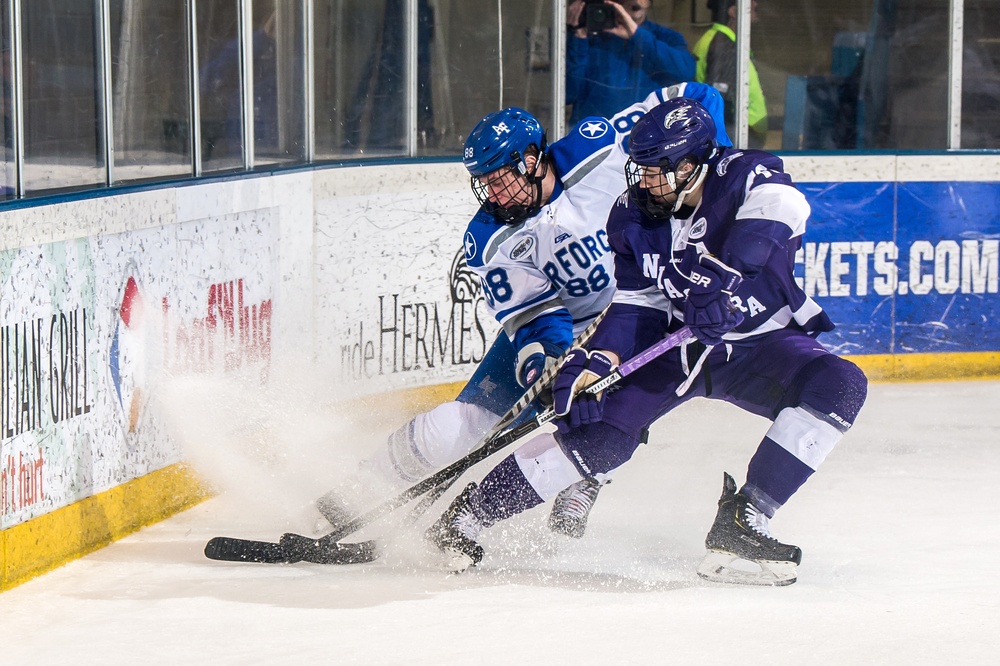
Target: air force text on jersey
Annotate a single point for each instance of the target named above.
(576, 266)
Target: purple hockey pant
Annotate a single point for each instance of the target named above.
(778, 370)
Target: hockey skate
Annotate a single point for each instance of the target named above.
(455, 533)
(740, 548)
(572, 508)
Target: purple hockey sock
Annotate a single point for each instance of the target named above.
(504, 492)
(773, 476)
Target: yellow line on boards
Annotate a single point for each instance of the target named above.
(48, 541)
(929, 367)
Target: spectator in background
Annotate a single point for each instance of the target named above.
(220, 91)
(608, 70)
(716, 54)
(375, 120)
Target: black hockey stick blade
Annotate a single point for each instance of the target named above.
(299, 548)
(232, 549)
(340, 553)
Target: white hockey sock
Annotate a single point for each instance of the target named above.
(546, 466)
(431, 441)
(804, 435)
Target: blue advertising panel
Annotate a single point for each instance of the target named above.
(948, 236)
(847, 260)
(904, 267)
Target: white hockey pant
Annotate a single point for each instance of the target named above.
(432, 441)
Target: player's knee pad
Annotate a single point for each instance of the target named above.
(831, 392)
(805, 434)
(546, 466)
(449, 431)
(436, 438)
(834, 389)
(598, 448)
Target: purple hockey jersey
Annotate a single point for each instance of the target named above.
(751, 217)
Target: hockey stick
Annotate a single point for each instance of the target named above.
(295, 547)
(298, 544)
(624, 369)
(309, 548)
(540, 385)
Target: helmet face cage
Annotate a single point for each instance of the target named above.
(655, 204)
(512, 184)
(494, 155)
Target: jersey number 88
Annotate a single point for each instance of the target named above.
(497, 287)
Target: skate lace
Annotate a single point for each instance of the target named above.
(576, 501)
(757, 521)
(467, 524)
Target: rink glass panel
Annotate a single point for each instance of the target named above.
(837, 76)
(872, 75)
(150, 111)
(63, 140)
(360, 66)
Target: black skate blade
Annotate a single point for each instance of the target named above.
(231, 549)
(307, 549)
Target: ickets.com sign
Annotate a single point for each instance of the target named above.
(904, 267)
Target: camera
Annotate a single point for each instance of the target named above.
(599, 16)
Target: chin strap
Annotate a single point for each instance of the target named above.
(698, 177)
(538, 180)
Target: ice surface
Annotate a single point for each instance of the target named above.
(899, 531)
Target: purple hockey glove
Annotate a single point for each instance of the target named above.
(709, 310)
(580, 369)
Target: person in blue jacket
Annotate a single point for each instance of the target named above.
(619, 66)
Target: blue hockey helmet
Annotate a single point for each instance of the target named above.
(501, 139)
(494, 155)
(678, 138)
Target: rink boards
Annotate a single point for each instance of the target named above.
(904, 267)
(355, 278)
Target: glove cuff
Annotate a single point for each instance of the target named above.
(729, 277)
(599, 363)
(526, 352)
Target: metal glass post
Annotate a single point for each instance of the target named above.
(106, 94)
(956, 30)
(309, 78)
(742, 73)
(246, 65)
(17, 95)
(194, 110)
(558, 60)
(412, 17)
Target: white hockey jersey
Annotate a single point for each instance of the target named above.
(556, 267)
